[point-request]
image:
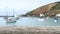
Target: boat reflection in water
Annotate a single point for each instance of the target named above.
(10, 23)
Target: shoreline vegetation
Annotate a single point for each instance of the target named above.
(39, 16)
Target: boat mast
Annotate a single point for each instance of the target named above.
(6, 13)
(13, 11)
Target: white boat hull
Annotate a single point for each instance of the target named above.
(41, 19)
(55, 21)
(10, 20)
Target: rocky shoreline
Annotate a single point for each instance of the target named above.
(30, 30)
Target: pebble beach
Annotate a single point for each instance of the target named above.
(30, 30)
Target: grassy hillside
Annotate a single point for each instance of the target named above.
(48, 10)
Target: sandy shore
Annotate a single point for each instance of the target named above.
(30, 30)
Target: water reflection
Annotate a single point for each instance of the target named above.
(29, 21)
(11, 23)
(55, 19)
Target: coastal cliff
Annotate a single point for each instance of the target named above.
(48, 10)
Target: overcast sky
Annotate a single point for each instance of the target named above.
(27, 5)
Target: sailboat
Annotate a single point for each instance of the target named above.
(10, 19)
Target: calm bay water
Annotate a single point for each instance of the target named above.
(31, 21)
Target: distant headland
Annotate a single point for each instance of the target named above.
(48, 10)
